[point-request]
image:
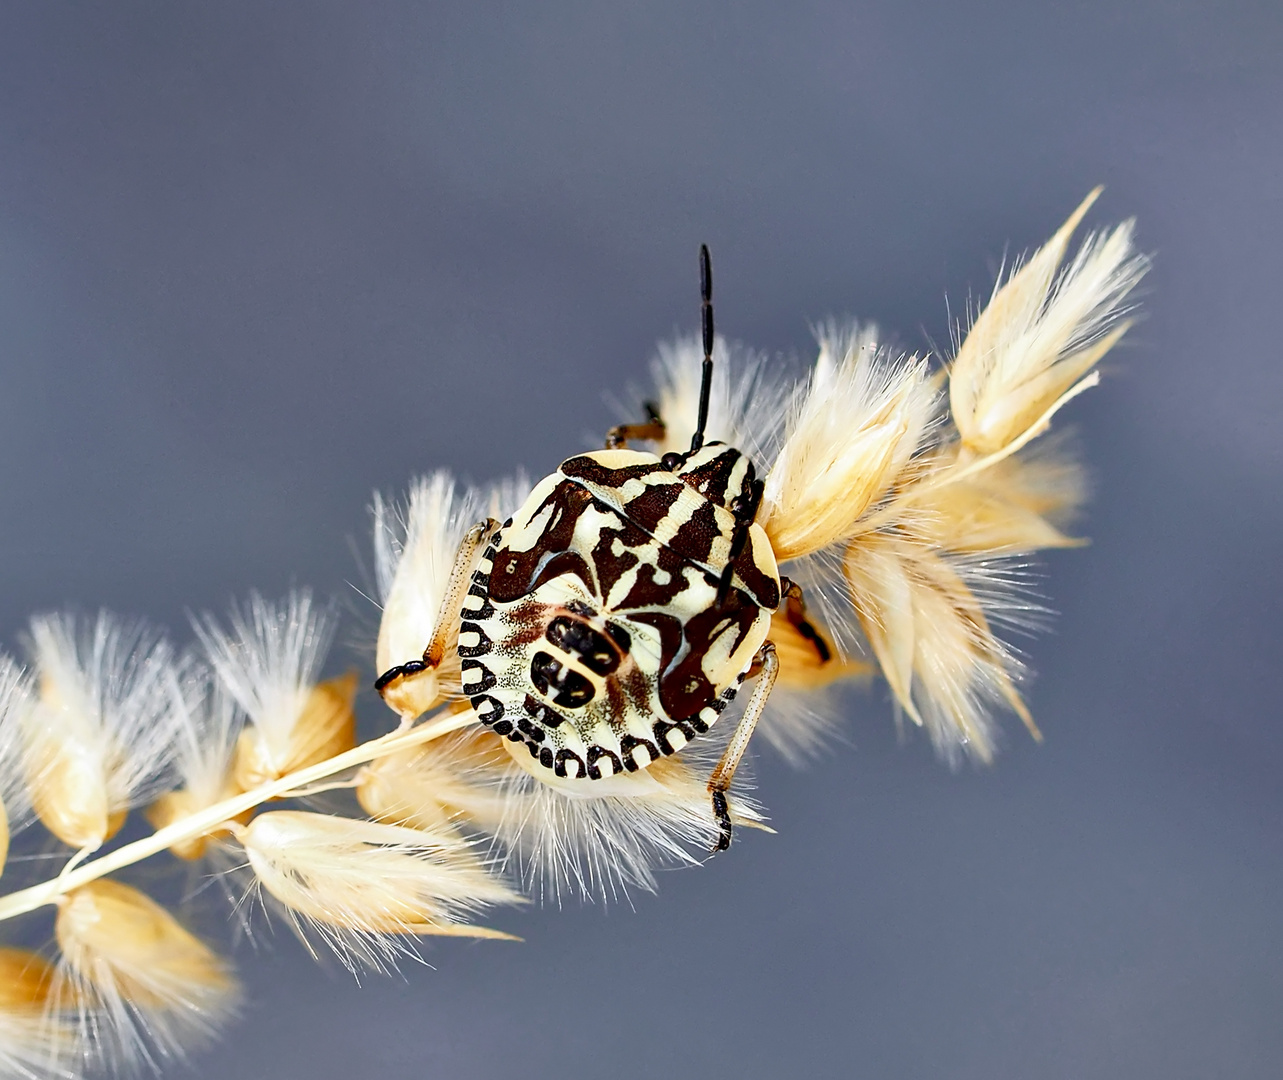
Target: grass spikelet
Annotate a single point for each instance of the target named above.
(32, 1039)
(364, 884)
(414, 552)
(1011, 508)
(204, 754)
(269, 664)
(140, 980)
(456, 780)
(15, 702)
(100, 735)
(1041, 333)
(933, 643)
(863, 415)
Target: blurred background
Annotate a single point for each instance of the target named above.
(260, 259)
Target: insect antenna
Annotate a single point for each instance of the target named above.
(706, 320)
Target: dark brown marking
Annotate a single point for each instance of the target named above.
(585, 468)
(695, 538)
(563, 756)
(662, 729)
(610, 566)
(653, 504)
(646, 593)
(683, 688)
(595, 754)
(484, 644)
(763, 589)
(532, 730)
(487, 677)
(563, 684)
(486, 610)
(628, 747)
(513, 574)
(568, 562)
(712, 479)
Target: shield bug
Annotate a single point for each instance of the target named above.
(613, 617)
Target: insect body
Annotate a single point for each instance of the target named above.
(595, 630)
(611, 620)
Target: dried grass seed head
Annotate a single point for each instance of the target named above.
(33, 1041)
(365, 886)
(99, 739)
(1041, 332)
(863, 415)
(414, 552)
(269, 663)
(933, 642)
(204, 751)
(141, 982)
(15, 703)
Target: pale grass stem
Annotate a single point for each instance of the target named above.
(212, 817)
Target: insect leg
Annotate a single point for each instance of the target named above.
(720, 780)
(447, 615)
(653, 429)
(795, 612)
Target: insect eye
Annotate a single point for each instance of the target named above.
(564, 685)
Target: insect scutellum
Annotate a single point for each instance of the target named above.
(613, 617)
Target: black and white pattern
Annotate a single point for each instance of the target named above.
(592, 630)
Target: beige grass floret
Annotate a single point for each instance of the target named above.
(269, 664)
(15, 703)
(933, 642)
(137, 977)
(100, 735)
(453, 782)
(204, 754)
(414, 553)
(862, 417)
(363, 884)
(32, 1040)
(1012, 508)
(1041, 333)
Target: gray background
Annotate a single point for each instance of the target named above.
(259, 259)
